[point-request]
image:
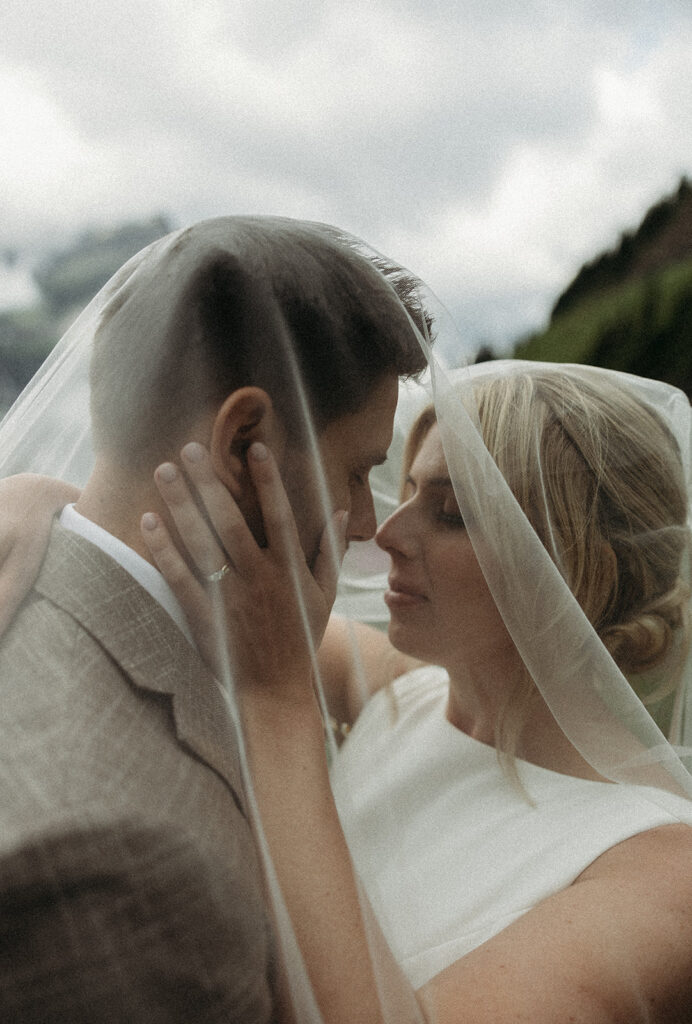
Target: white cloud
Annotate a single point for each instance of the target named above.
(491, 146)
(32, 124)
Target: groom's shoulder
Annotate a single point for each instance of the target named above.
(47, 637)
(80, 599)
(41, 643)
(81, 578)
(59, 676)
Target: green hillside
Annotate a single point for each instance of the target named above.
(644, 327)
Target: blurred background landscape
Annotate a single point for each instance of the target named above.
(530, 161)
(628, 308)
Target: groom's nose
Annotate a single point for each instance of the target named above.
(362, 523)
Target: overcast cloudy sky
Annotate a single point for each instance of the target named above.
(491, 145)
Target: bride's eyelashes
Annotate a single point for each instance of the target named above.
(440, 506)
(451, 518)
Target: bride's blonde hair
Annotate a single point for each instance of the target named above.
(599, 476)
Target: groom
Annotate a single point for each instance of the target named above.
(130, 887)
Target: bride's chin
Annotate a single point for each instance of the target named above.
(405, 641)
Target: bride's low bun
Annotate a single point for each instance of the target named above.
(646, 640)
(599, 475)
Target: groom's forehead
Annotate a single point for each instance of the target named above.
(364, 436)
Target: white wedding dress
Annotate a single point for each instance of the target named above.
(449, 851)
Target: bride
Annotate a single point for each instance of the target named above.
(511, 878)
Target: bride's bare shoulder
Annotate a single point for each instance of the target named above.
(614, 946)
(661, 855)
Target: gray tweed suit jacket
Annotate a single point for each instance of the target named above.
(129, 883)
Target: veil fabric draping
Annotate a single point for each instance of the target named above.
(143, 307)
(575, 674)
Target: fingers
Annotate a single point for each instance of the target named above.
(189, 521)
(229, 537)
(277, 515)
(182, 581)
(239, 545)
(170, 562)
(270, 590)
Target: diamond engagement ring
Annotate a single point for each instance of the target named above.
(214, 577)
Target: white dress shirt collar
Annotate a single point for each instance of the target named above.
(142, 571)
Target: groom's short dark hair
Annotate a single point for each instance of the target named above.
(253, 301)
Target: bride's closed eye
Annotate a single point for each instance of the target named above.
(439, 501)
(451, 517)
(448, 510)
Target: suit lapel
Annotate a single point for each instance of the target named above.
(145, 642)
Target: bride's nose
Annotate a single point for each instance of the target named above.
(396, 534)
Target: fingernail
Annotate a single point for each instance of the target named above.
(149, 521)
(258, 451)
(167, 472)
(193, 452)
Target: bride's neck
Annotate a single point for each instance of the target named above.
(477, 688)
(477, 699)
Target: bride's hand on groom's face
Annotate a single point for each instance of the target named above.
(255, 612)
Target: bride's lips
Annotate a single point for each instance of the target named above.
(402, 595)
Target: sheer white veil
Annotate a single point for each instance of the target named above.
(596, 703)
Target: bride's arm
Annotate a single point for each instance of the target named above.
(612, 948)
(27, 506)
(284, 732)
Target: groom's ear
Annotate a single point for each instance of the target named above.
(246, 415)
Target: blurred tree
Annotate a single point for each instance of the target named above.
(630, 309)
(9, 257)
(663, 237)
(67, 280)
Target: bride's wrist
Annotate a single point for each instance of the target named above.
(286, 751)
(285, 717)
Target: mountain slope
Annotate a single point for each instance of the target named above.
(631, 308)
